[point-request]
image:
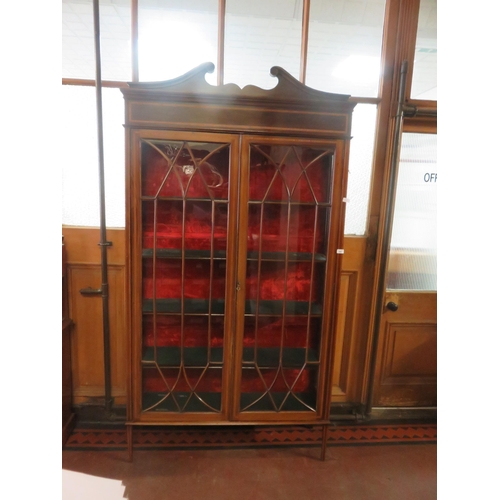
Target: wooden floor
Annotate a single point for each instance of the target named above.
(374, 471)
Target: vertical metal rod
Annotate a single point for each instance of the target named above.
(386, 238)
(220, 42)
(305, 38)
(102, 198)
(135, 39)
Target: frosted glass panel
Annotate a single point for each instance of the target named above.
(259, 35)
(79, 156)
(78, 52)
(360, 168)
(345, 44)
(424, 82)
(413, 250)
(176, 36)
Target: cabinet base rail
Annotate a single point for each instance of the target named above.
(324, 424)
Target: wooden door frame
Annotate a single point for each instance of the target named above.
(398, 45)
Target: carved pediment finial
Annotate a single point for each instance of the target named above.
(194, 81)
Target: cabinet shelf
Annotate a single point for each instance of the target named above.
(191, 306)
(176, 253)
(193, 357)
(269, 357)
(201, 307)
(291, 203)
(292, 256)
(180, 199)
(275, 308)
(198, 357)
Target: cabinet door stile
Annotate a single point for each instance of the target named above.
(240, 267)
(231, 324)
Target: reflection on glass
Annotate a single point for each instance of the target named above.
(413, 251)
(259, 35)
(345, 44)
(176, 37)
(424, 82)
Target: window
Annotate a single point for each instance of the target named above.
(344, 47)
(175, 37)
(424, 82)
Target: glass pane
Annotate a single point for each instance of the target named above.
(184, 227)
(424, 82)
(196, 225)
(80, 163)
(175, 37)
(259, 35)
(289, 211)
(78, 51)
(177, 169)
(345, 44)
(360, 168)
(190, 389)
(413, 251)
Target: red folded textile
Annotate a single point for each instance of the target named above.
(294, 335)
(168, 331)
(196, 279)
(272, 283)
(197, 226)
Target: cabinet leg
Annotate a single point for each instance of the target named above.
(323, 441)
(129, 442)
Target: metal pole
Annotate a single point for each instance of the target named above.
(386, 238)
(220, 42)
(102, 198)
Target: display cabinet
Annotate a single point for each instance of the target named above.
(235, 208)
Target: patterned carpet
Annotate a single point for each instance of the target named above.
(146, 438)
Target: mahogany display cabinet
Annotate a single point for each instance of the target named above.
(235, 220)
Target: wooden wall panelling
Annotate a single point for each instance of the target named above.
(84, 271)
(344, 332)
(82, 245)
(88, 349)
(348, 370)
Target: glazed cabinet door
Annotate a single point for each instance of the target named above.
(290, 213)
(183, 195)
